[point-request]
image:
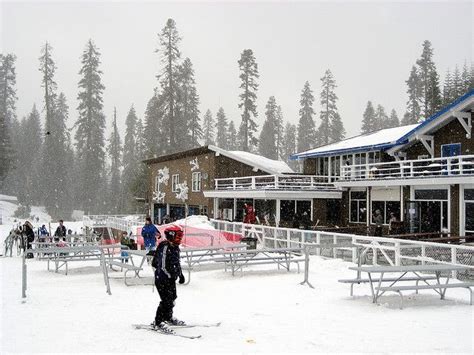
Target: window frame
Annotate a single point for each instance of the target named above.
(358, 202)
(174, 182)
(196, 181)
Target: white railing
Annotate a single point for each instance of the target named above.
(373, 250)
(276, 182)
(461, 165)
(119, 222)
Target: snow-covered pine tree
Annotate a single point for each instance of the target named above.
(114, 150)
(232, 143)
(90, 139)
(329, 112)
(170, 54)
(465, 78)
(457, 86)
(153, 132)
(447, 88)
(130, 160)
(415, 93)
(289, 145)
(221, 138)
(392, 120)
(280, 131)
(138, 188)
(188, 107)
(267, 142)
(248, 75)
(208, 126)
(337, 132)
(380, 117)
(306, 127)
(54, 156)
(428, 77)
(471, 75)
(7, 112)
(368, 119)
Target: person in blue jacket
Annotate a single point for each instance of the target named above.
(167, 270)
(149, 234)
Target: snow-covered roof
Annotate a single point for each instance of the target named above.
(257, 161)
(382, 139)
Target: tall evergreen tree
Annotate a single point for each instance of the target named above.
(393, 120)
(55, 165)
(331, 123)
(279, 132)
(130, 160)
(415, 93)
(221, 139)
(471, 75)
(369, 123)
(380, 117)
(7, 112)
(268, 136)
(208, 126)
(306, 126)
(447, 88)
(248, 75)
(114, 150)
(188, 106)
(31, 160)
(153, 130)
(170, 54)
(232, 142)
(90, 140)
(428, 77)
(465, 78)
(457, 84)
(289, 145)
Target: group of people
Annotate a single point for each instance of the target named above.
(28, 234)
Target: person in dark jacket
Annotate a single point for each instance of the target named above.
(149, 233)
(29, 234)
(43, 233)
(167, 270)
(60, 231)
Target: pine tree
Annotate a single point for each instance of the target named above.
(368, 121)
(414, 91)
(306, 126)
(279, 131)
(457, 86)
(153, 134)
(232, 143)
(471, 75)
(56, 194)
(130, 160)
(267, 142)
(188, 106)
(248, 75)
(393, 120)
(7, 112)
(221, 139)
(331, 123)
(90, 140)
(169, 39)
(31, 160)
(430, 93)
(465, 78)
(114, 150)
(447, 88)
(208, 126)
(289, 145)
(380, 117)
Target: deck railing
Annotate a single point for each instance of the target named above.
(462, 165)
(276, 182)
(119, 222)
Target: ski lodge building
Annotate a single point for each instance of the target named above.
(421, 174)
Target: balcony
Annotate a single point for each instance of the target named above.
(457, 168)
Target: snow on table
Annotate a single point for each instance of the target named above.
(265, 311)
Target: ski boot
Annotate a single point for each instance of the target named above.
(161, 327)
(176, 322)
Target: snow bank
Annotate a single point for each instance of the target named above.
(262, 310)
(201, 222)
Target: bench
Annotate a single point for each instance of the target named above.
(127, 267)
(442, 289)
(359, 280)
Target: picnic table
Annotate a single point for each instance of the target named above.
(378, 290)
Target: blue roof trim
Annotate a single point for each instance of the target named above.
(430, 119)
(384, 146)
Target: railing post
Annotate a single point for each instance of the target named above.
(411, 169)
(276, 181)
(460, 162)
(334, 241)
(449, 167)
(253, 183)
(454, 261)
(423, 254)
(233, 184)
(275, 238)
(288, 239)
(318, 241)
(397, 253)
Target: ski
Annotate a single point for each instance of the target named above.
(195, 325)
(161, 331)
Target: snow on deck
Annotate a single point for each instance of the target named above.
(263, 310)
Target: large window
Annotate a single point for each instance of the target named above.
(386, 208)
(174, 182)
(358, 202)
(469, 205)
(196, 182)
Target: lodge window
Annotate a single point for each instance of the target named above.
(174, 182)
(358, 203)
(196, 185)
(469, 213)
(386, 207)
(157, 184)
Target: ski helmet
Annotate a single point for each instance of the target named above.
(174, 234)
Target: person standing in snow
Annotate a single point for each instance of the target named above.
(167, 270)
(249, 214)
(149, 233)
(43, 233)
(60, 231)
(29, 234)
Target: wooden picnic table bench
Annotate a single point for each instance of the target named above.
(416, 270)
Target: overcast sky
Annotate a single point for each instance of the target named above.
(369, 47)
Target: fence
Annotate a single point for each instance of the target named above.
(356, 248)
(119, 222)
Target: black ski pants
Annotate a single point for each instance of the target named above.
(167, 291)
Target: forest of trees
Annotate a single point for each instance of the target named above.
(45, 164)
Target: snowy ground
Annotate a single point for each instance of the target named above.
(265, 310)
